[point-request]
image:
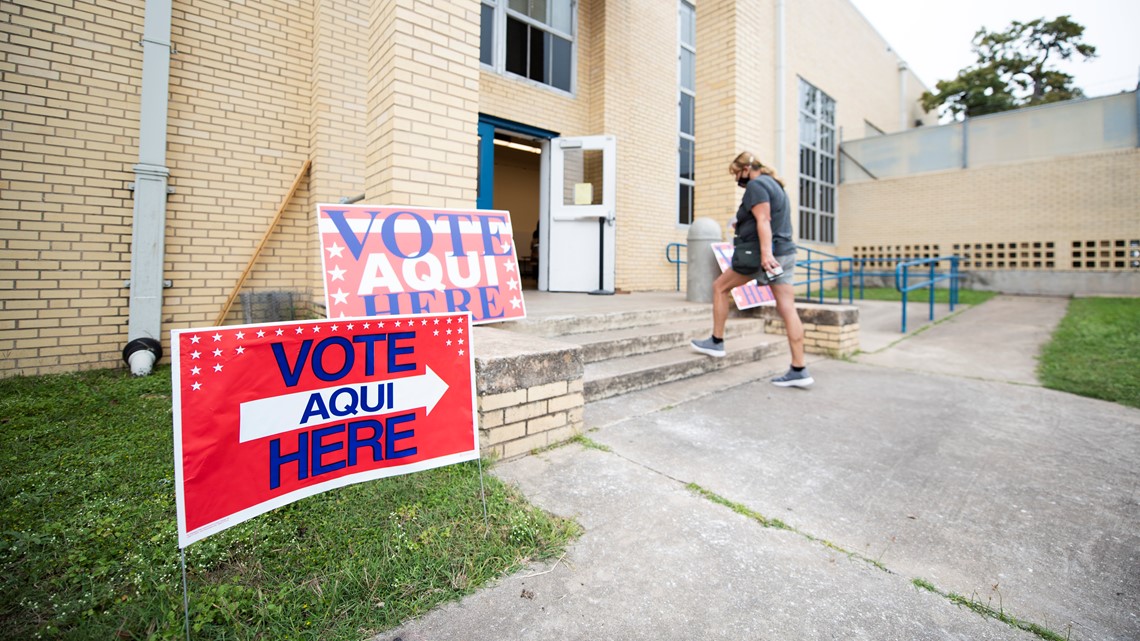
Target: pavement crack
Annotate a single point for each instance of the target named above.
(974, 605)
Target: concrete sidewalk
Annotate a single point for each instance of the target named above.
(934, 456)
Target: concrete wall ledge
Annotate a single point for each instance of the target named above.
(829, 328)
(530, 391)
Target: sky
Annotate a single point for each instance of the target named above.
(934, 39)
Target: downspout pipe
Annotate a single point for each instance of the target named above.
(781, 87)
(144, 329)
(903, 119)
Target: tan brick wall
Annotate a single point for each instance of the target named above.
(239, 131)
(515, 423)
(1078, 198)
(68, 142)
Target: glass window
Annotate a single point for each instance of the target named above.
(817, 165)
(487, 35)
(582, 172)
(535, 38)
(686, 110)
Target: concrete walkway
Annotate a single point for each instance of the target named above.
(934, 457)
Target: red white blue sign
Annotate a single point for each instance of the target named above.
(265, 415)
(748, 295)
(381, 261)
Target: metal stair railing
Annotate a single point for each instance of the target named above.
(677, 247)
(828, 267)
(904, 286)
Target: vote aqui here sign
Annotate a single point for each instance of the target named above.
(265, 415)
(748, 295)
(380, 261)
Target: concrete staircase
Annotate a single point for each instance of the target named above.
(629, 350)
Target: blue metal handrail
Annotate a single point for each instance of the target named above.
(820, 270)
(903, 285)
(677, 260)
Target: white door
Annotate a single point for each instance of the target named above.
(578, 243)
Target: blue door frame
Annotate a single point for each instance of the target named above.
(487, 127)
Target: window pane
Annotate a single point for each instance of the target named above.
(522, 6)
(561, 15)
(687, 106)
(560, 62)
(582, 176)
(487, 35)
(828, 110)
(688, 69)
(688, 25)
(685, 204)
(538, 57)
(516, 46)
(686, 155)
(538, 10)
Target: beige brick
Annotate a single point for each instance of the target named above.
(540, 392)
(506, 433)
(568, 401)
(499, 401)
(545, 423)
(524, 412)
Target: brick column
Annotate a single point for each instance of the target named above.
(422, 103)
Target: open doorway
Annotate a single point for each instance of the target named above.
(518, 171)
(511, 178)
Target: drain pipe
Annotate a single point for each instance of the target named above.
(903, 117)
(144, 330)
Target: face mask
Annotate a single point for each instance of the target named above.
(742, 180)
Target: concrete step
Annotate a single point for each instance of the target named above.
(556, 325)
(631, 341)
(615, 376)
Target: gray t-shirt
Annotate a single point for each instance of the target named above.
(765, 189)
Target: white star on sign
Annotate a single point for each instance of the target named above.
(340, 297)
(194, 371)
(337, 273)
(240, 336)
(504, 247)
(513, 284)
(217, 337)
(195, 339)
(218, 367)
(217, 352)
(335, 250)
(508, 265)
(261, 333)
(196, 386)
(515, 302)
(240, 350)
(195, 354)
(280, 331)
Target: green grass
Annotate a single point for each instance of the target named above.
(1095, 351)
(986, 610)
(88, 540)
(965, 296)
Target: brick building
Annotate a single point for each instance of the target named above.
(149, 145)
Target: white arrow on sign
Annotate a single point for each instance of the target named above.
(280, 414)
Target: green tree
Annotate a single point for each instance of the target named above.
(1014, 69)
